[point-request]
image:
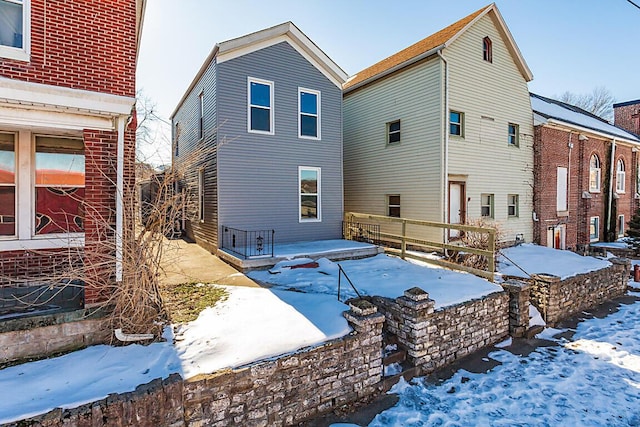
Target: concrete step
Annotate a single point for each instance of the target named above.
(397, 356)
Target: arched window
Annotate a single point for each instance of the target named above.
(595, 173)
(487, 51)
(620, 175)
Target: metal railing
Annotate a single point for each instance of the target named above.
(361, 232)
(248, 243)
(405, 237)
(341, 273)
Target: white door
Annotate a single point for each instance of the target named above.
(456, 206)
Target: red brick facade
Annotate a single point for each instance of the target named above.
(89, 46)
(627, 116)
(551, 151)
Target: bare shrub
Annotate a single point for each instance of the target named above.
(477, 240)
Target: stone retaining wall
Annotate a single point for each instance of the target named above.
(435, 338)
(41, 336)
(519, 296)
(280, 391)
(558, 299)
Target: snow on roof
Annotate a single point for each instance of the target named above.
(569, 114)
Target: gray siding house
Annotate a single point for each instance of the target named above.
(265, 114)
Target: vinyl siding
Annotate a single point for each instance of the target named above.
(258, 174)
(205, 233)
(412, 168)
(499, 92)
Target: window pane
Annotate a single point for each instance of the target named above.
(308, 182)
(394, 137)
(260, 94)
(394, 200)
(7, 211)
(59, 210)
(394, 127)
(308, 125)
(309, 207)
(485, 211)
(7, 161)
(308, 103)
(394, 211)
(455, 117)
(11, 24)
(59, 169)
(260, 119)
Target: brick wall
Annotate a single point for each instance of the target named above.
(280, 391)
(627, 116)
(435, 338)
(558, 299)
(88, 45)
(551, 150)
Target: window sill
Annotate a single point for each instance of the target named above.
(260, 132)
(311, 138)
(302, 221)
(75, 240)
(562, 213)
(15, 54)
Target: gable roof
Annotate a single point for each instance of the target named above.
(434, 43)
(285, 32)
(552, 111)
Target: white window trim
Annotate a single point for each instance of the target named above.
(516, 135)
(491, 205)
(597, 237)
(201, 116)
(319, 193)
(598, 171)
(318, 116)
(24, 53)
(620, 177)
(460, 123)
(516, 205)
(271, 108)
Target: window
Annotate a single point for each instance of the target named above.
(309, 113)
(620, 225)
(177, 139)
(456, 123)
(594, 229)
(260, 106)
(15, 29)
(201, 115)
(309, 183)
(512, 205)
(201, 195)
(7, 185)
(595, 173)
(59, 185)
(620, 176)
(393, 203)
(393, 132)
(514, 135)
(486, 205)
(487, 49)
(561, 189)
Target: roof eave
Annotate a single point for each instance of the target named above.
(195, 80)
(553, 121)
(396, 68)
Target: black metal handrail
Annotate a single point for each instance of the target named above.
(248, 243)
(341, 272)
(361, 232)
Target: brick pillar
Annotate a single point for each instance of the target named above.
(518, 306)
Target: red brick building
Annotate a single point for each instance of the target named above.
(585, 176)
(67, 138)
(627, 116)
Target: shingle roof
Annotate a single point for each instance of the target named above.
(433, 41)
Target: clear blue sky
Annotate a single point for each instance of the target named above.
(569, 45)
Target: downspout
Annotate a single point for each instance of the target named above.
(570, 145)
(122, 121)
(611, 171)
(445, 151)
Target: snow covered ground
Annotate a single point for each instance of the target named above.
(527, 259)
(591, 380)
(381, 275)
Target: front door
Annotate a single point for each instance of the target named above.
(457, 206)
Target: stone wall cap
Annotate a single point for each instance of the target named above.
(620, 261)
(515, 284)
(416, 294)
(546, 277)
(362, 307)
